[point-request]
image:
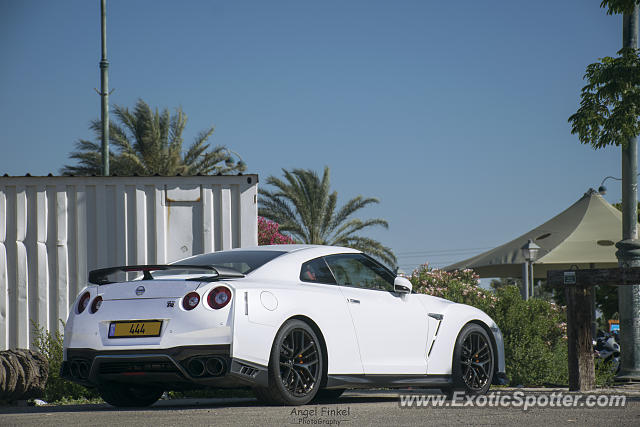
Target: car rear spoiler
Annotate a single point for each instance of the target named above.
(99, 277)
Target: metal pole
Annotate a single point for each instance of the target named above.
(629, 247)
(594, 321)
(532, 281)
(104, 91)
(525, 279)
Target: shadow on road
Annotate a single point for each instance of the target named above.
(185, 404)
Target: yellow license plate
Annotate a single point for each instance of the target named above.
(134, 329)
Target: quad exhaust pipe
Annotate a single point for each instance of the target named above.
(206, 366)
(196, 367)
(215, 367)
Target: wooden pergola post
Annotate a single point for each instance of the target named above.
(579, 339)
(579, 290)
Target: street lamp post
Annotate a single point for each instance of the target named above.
(602, 189)
(530, 253)
(628, 253)
(104, 89)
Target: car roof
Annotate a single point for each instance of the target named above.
(296, 248)
(289, 262)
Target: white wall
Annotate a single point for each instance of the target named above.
(53, 230)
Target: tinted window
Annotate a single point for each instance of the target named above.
(316, 271)
(360, 271)
(242, 261)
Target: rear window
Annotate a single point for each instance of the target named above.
(243, 261)
(316, 271)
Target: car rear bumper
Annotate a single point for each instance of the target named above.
(172, 368)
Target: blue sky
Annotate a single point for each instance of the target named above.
(454, 114)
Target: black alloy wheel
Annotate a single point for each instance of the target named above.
(476, 361)
(299, 362)
(295, 366)
(473, 361)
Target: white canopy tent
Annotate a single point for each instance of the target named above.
(583, 235)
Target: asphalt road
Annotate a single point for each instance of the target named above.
(353, 409)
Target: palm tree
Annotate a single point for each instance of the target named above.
(304, 207)
(150, 143)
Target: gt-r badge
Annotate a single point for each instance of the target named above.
(140, 290)
(170, 303)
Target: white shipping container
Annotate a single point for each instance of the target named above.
(53, 230)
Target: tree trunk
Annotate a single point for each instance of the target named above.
(579, 317)
(23, 374)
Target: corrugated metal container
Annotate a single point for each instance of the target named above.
(53, 230)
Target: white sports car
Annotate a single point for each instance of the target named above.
(293, 322)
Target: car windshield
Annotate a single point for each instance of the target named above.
(243, 261)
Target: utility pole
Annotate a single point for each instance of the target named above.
(104, 90)
(629, 247)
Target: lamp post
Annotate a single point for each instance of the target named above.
(602, 189)
(628, 253)
(530, 253)
(104, 89)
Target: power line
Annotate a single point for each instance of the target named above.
(440, 251)
(438, 265)
(434, 255)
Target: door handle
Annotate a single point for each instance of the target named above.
(353, 301)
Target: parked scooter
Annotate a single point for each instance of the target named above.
(606, 347)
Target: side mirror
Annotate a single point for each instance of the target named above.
(402, 285)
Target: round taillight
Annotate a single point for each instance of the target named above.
(219, 297)
(84, 302)
(95, 305)
(190, 300)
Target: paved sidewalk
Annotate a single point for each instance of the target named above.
(628, 389)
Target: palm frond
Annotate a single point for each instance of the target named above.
(354, 225)
(349, 208)
(303, 206)
(147, 142)
(375, 249)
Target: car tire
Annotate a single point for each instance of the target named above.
(473, 362)
(125, 395)
(295, 366)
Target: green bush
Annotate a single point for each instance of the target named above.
(57, 388)
(534, 331)
(605, 373)
(535, 338)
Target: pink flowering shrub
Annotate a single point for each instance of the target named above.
(269, 234)
(534, 331)
(459, 286)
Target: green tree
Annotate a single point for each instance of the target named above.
(148, 142)
(619, 6)
(305, 207)
(610, 102)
